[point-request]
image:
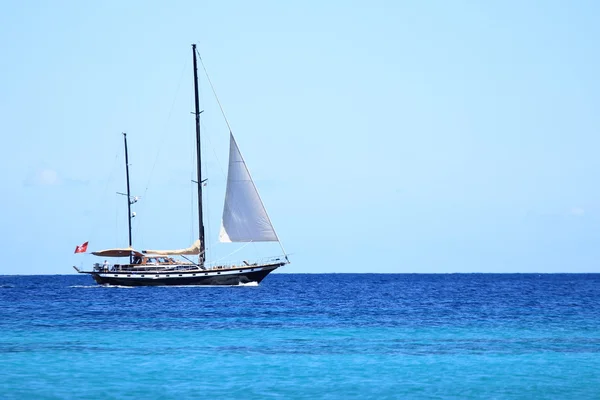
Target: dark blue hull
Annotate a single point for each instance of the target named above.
(208, 278)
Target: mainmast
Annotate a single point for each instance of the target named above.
(129, 215)
(202, 255)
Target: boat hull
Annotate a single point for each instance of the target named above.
(202, 278)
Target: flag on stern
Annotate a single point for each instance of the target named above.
(82, 248)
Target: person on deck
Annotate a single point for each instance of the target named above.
(105, 265)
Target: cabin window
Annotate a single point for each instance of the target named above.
(157, 276)
(142, 276)
(180, 275)
(218, 273)
(129, 276)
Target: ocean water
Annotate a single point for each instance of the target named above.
(330, 336)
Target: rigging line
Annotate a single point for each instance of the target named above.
(212, 146)
(259, 198)
(206, 191)
(213, 90)
(117, 227)
(208, 136)
(112, 171)
(192, 207)
(208, 187)
(164, 130)
(208, 247)
(193, 188)
(191, 237)
(165, 126)
(233, 252)
(230, 131)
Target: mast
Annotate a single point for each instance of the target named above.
(202, 255)
(129, 216)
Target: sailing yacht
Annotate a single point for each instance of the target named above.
(245, 219)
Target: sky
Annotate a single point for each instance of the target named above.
(383, 136)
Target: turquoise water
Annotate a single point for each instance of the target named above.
(304, 336)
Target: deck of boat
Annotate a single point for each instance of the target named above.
(183, 275)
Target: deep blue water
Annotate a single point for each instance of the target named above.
(334, 336)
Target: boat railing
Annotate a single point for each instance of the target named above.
(246, 263)
(134, 268)
(146, 268)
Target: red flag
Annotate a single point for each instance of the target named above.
(82, 248)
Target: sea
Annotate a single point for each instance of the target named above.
(304, 336)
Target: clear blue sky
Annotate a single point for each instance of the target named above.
(386, 136)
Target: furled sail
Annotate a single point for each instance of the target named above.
(116, 252)
(190, 251)
(244, 216)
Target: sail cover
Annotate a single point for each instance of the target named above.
(244, 216)
(116, 252)
(190, 251)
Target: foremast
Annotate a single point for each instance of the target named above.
(129, 202)
(202, 255)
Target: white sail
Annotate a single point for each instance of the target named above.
(244, 216)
